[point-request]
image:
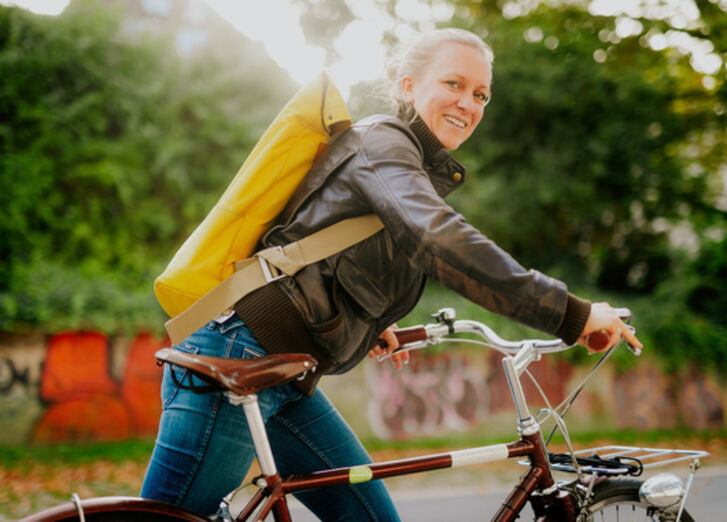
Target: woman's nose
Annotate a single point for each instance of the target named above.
(466, 103)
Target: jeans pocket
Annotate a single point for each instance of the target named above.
(253, 352)
(169, 387)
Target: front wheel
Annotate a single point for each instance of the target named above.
(618, 499)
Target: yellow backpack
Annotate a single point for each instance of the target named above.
(197, 285)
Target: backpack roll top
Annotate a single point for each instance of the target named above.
(255, 196)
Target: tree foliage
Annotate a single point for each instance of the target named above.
(112, 148)
(601, 160)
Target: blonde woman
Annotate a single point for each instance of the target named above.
(400, 169)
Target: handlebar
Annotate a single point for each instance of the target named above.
(425, 335)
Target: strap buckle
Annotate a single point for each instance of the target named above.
(270, 272)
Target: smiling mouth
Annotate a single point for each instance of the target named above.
(456, 122)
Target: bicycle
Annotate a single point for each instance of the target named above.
(604, 480)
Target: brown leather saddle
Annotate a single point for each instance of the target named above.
(240, 376)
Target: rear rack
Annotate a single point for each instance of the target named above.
(648, 457)
(655, 456)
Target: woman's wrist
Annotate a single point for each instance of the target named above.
(574, 320)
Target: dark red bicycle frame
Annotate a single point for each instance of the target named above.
(538, 477)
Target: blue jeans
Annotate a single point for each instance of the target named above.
(204, 448)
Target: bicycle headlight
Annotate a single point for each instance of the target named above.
(662, 490)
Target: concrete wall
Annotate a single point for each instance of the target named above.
(85, 386)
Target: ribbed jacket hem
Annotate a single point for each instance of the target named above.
(576, 315)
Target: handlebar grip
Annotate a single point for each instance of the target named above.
(407, 335)
(598, 340)
(411, 334)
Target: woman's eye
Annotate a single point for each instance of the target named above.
(451, 83)
(482, 97)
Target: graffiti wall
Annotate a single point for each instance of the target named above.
(453, 391)
(77, 386)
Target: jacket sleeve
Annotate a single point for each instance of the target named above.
(437, 239)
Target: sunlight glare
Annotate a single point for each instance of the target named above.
(43, 7)
(363, 56)
(275, 23)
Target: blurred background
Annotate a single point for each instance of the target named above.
(601, 160)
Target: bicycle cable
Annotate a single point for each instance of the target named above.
(558, 419)
(570, 399)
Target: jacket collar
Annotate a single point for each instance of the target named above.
(447, 173)
(430, 144)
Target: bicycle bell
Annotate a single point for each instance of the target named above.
(446, 316)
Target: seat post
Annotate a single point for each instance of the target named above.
(257, 430)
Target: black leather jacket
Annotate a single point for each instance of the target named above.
(401, 173)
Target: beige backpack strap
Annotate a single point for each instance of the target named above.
(267, 266)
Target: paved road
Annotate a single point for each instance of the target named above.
(707, 502)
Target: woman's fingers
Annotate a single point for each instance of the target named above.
(605, 328)
(400, 359)
(630, 337)
(391, 343)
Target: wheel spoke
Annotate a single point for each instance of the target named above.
(619, 512)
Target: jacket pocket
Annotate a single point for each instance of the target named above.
(361, 288)
(328, 334)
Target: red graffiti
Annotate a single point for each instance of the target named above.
(86, 403)
(140, 385)
(76, 366)
(95, 417)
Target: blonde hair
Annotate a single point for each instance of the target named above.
(411, 60)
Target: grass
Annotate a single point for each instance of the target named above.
(19, 457)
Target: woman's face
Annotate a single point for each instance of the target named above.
(450, 94)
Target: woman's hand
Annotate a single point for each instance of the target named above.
(391, 344)
(607, 328)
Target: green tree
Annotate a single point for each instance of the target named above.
(111, 150)
(599, 157)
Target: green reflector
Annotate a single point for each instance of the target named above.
(359, 474)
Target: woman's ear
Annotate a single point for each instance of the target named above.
(407, 89)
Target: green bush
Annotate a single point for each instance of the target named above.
(112, 148)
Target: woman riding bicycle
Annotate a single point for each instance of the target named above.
(400, 169)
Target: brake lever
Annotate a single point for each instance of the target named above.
(634, 350)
